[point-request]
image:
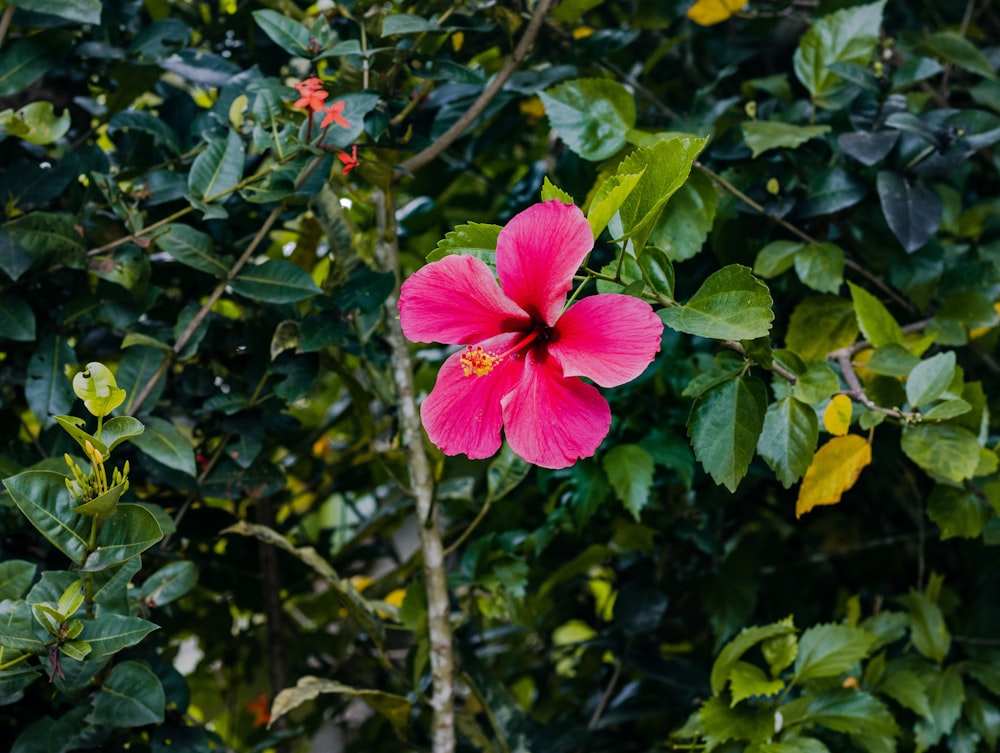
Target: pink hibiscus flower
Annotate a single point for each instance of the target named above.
(524, 351)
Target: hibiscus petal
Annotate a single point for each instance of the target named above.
(552, 421)
(456, 300)
(609, 338)
(462, 413)
(537, 254)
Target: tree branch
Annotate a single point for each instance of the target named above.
(493, 88)
(422, 485)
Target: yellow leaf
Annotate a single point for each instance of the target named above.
(834, 469)
(710, 12)
(837, 416)
(977, 332)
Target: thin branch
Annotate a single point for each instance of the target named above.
(856, 392)
(775, 367)
(197, 319)
(469, 529)
(493, 88)
(802, 235)
(606, 696)
(8, 15)
(422, 483)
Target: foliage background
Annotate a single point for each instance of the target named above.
(165, 216)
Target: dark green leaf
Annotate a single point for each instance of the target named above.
(945, 696)
(868, 148)
(592, 116)
(657, 271)
(109, 633)
(131, 696)
(892, 360)
(116, 430)
(831, 191)
(776, 257)
(731, 304)
(763, 135)
(957, 512)
(504, 474)
(165, 444)
(406, 23)
(44, 500)
(79, 11)
(26, 60)
(747, 639)
(912, 211)
(168, 584)
(630, 471)
(137, 369)
(17, 320)
(854, 712)
(16, 576)
(952, 47)
(788, 439)
(928, 631)
(687, 219)
(287, 33)
(145, 122)
(721, 722)
(275, 281)
(193, 248)
(724, 427)
(130, 532)
(217, 170)
(15, 260)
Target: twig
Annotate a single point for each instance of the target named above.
(804, 236)
(469, 529)
(775, 367)
(422, 483)
(856, 392)
(8, 15)
(197, 319)
(493, 88)
(606, 696)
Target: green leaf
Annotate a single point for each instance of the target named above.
(854, 712)
(145, 122)
(874, 320)
(168, 584)
(406, 23)
(892, 360)
(913, 211)
(116, 430)
(47, 389)
(275, 281)
(78, 11)
(109, 633)
(49, 236)
(664, 167)
(137, 369)
(721, 722)
(552, 191)
(776, 257)
(929, 379)
(36, 123)
(217, 170)
(780, 652)
(817, 383)
(16, 577)
(731, 304)
(906, 689)
(684, 225)
(287, 33)
(724, 427)
(847, 36)
(945, 696)
(952, 47)
(44, 500)
(131, 696)
(193, 248)
(165, 444)
(943, 450)
(472, 239)
(764, 135)
(608, 199)
(928, 631)
(747, 639)
(130, 532)
(657, 271)
(830, 650)
(630, 471)
(104, 505)
(395, 708)
(821, 267)
(957, 512)
(983, 716)
(788, 439)
(747, 680)
(17, 320)
(866, 147)
(28, 59)
(831, 191)
(17, 630)
(505, 473)
(591, 115)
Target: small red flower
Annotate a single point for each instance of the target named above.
(311, 95)
(261, 711)
(333, 115)
(350, 160)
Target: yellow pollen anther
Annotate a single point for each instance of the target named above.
(477, 361)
